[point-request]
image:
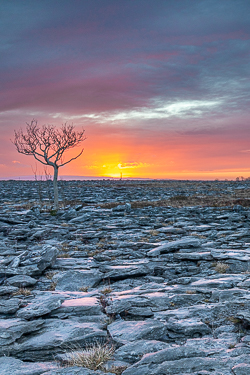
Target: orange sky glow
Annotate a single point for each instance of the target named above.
(161, 88)
(157, 156)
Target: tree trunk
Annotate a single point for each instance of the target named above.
(55, 185)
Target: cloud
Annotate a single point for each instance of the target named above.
(157, 77)
(160, 110)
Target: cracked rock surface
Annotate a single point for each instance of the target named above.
(158, 269)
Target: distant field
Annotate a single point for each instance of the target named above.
(140, 193)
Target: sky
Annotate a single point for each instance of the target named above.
(161, 87)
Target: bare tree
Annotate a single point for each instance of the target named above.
(48, 144)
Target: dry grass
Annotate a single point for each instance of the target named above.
(83, 289)
(63, 255)
(93, 357)
(234, 320)
(50, 274)
(199, 236)
(221, 267)
(106, 290)
(22, 292)
(52, 286)
(95, 252)
(216, 199)
(117, 370)
(153, 232)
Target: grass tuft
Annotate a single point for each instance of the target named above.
(106, 290)
(117, 370)
(50, 274)
(22, 291)
(52, 286)
(92, 357)
(83, 289)
(221, 267)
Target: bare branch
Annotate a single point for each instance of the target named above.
(61, 165)
(48, 144)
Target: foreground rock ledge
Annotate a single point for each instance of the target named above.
(166, 284)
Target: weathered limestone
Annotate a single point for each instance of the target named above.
(76, 280)
(167, 285)
(13, 366)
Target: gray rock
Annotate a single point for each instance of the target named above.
(121, 272)
(76, 371)
(21, 281)
(181, 366)
(13, 366)
(75, 280)
(241, 369)
(86, 306)
(31, 263)
(133, 351)
(7, 290)
(55, 336)
(40, 307)
(9, 306)
(175, 294)
(174, 245)
(122, 207)
(81, 219)
(187, 328)
(124, 332)
(193, 256)
(224, 254)
(13, 329)
(221, 282)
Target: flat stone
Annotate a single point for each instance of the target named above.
(121, 272)
(222, 254)
(21, 281)
(75, 280)
(13, 329)
(13, 366)
(54, 337)
(31, 263)
(80, 219)
(193, 256)
(7, 290)
(86, 306)
(174, 245)
(187, 327)
(76, 371)
(40, 307)
(241, 369)
(9, 306)
(222, 282)
(133, 351)
(74, 263)
(182, 366)
(125, 331)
